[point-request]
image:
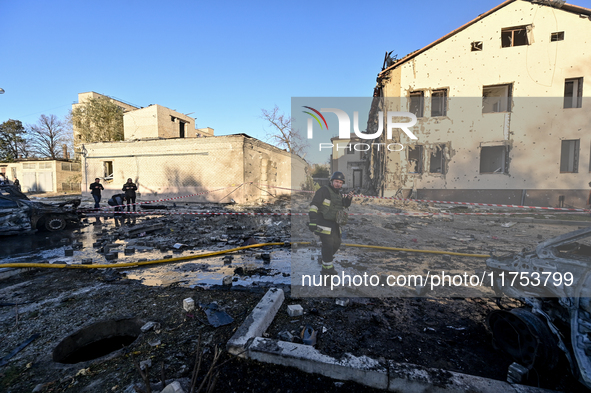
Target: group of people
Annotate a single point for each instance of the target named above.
(5, 182)
(117, 200)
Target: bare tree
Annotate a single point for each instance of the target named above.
(282, 134)
(49, 136)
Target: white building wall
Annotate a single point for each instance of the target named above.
(534, 128)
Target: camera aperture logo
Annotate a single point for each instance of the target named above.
(345, 128)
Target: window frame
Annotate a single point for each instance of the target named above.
(504, 160)
(419, 165)
(575, 101)
(437, 149)
(511, 36)
(564, 166)
(412, 96)
(557, 36)
(443, 102)
(508, 97)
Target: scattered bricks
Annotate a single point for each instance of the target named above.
(142, 260)
(86, 261)
(167, 257)
(77, 246)
(342, 302)
(175, 251)
(69, 252)
(295, 310)
(446, 257)
(266, 258)
(188, 304)
(228, 259)
(163, 248)
(227, 281)
(97, 245)
(111, 256)
(129, 251)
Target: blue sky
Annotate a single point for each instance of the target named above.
(223, 61)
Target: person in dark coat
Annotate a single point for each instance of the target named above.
(327, 201)
(95, 191)
(130, 188)
(117, 200)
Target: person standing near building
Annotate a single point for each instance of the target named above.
(324, 222)
(130, 188)
(17, 184)
(95, 191)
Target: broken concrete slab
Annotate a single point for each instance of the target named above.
(304, 357)
(257, 322)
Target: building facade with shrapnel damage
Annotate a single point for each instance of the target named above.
(502, 106)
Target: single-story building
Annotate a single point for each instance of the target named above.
(43, 175)
(171, 167)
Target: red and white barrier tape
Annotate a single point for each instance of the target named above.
(161, 212)
(449, 202)
(167, 199)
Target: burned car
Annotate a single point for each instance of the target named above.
(554, 284)
(18, 214)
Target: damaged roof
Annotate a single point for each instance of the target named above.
(550, 3)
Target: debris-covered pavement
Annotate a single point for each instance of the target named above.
(52, 304)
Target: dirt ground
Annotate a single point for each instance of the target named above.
(432, 331)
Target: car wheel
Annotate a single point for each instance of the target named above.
(55, 223)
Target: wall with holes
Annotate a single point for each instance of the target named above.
(504, 124)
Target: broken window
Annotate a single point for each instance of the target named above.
(493, 159)
(476, 46)
(439, 103)
(558, 36)
(515, 36)
(569, 156)
(415, 159)
(496, 98)
(437, 159)
(350, 149)
(108, 170)
(573, 93)
(416, 103)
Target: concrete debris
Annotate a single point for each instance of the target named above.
(149, 325)
(188, 304)
(146, 364)
(295, 310)
(174, 387)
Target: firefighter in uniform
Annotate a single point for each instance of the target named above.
(327, 202)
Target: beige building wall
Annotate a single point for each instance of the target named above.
(532, 130)
(44, 175)
(166, 168)
(350, 160)
(156, 121)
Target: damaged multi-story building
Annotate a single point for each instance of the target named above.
(502, 107)
(167, 157)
